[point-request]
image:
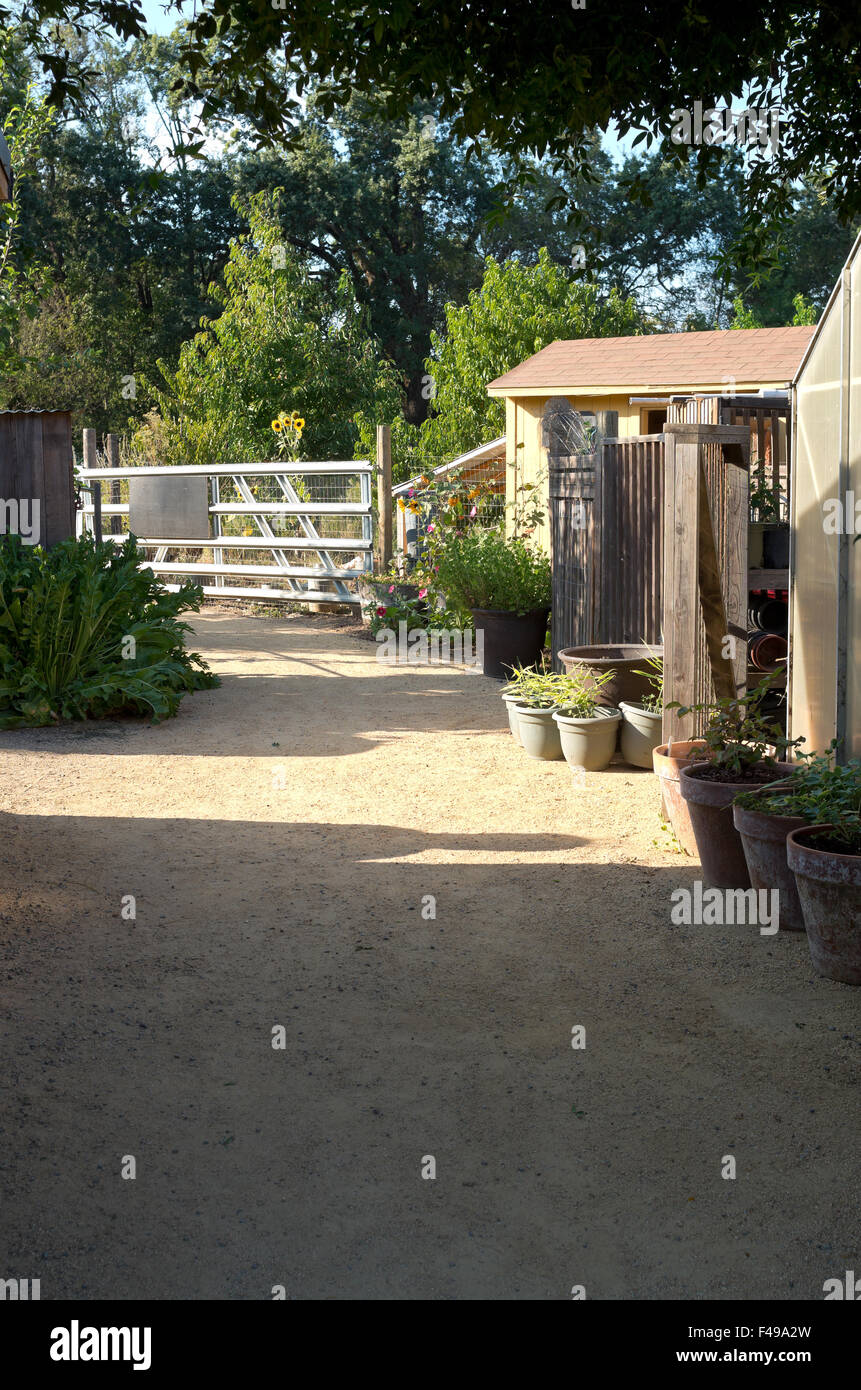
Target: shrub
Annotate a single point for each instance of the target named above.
(85, 634)
(820, 794)
(481, 569)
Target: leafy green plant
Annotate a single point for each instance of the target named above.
(573, 693)
(481, 569)
(85, 633)
(739, 735)
(821, 794)
(763, 498)
(653, 702)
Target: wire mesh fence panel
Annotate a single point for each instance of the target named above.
(275, 530)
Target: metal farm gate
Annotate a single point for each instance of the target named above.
(288, 531)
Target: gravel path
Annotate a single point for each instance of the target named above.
(279, 838)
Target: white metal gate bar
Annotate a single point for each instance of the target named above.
(299, 576)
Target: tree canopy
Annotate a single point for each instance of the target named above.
(531, 81)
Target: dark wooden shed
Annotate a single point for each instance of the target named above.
(37, 473)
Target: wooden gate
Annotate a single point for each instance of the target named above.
(649, 541)
(606, 538)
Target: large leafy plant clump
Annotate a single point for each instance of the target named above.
(481, 569)
(85, 633)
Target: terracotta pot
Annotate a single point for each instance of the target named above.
(829, 886)
(767, 651)
(668, 767)
(718, 842)
(640, 734)
(538, 732)
(763, 839)
(510, 639)
(588, 743)
(624, 661)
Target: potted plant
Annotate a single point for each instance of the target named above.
(825, 859)
(641, 720)
(629, 682)
(741, 744)
(763, 819)
(768, 537)
(587, 729)
(505, 585)
(668, 760)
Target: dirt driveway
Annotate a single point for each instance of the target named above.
(279, 838)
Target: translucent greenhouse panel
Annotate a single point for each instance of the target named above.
(813, 685)
(853, 673)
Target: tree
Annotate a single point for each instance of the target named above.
(534, 80)
(277, 344)
(517, 311)
(27, 122)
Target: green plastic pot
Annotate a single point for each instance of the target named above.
(588, 743)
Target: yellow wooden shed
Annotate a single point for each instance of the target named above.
(636, 377)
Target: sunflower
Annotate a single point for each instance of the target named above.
(277, 426)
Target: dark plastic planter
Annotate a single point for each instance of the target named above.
(510, 639)
(624, 661)
(829, 886)
(710, 808)
(763, 839)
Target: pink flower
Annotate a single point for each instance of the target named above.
(412, 492)
(423, 593)
(474, 511)
(381, 612)
(431, 527)
(391, 588)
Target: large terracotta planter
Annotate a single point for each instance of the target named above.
(763, 839)
(624, 661)
(510, 639)
(668, 767)
(710, 808)
(829, 887)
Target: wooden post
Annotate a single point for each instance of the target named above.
(705, 582)
(113, 451)
(94, 487)
(383, 541)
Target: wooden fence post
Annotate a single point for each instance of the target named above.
(95, 488)
(113, 451)
(383, 540)
(705, 568)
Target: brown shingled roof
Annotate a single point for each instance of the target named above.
(673, 360)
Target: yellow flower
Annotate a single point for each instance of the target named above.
(298, 422)
(277, 427)
(402, 504)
